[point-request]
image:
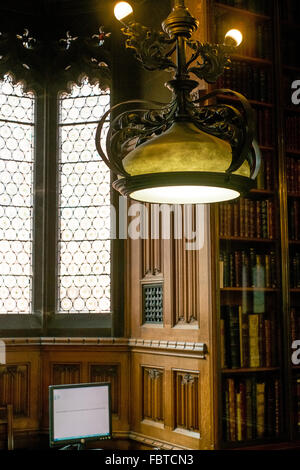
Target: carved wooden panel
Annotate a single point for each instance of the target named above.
(108, 373)
(153, 394)
(14, 382)
(152, 247)
(65, 374)
(187, 401)
(186, 271)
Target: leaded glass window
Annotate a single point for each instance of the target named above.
(17, 111)
(84, 246)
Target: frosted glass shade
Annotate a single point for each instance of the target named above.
(184, 194)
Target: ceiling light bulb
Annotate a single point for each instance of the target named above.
(122, 9)
(234, 36)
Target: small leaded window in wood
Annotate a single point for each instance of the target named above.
(17, 112)
(152, 303)
(84, 246)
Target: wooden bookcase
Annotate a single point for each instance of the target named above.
(290, 71)
(256, 252)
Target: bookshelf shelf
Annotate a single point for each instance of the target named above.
(249, 240)
(294, 195)
(241, 11)
(294, 242)
(250, 370)
(262, 192)
(295, 109)
(253, 102)
(291, 25)
(249, 289)
(266, 148)
(293, 151)
(295, 290)
(291, 68)
(252, 60)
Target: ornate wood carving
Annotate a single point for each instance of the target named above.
(187, 404)
(152, 246)
(65, 374)
(14, 382)
(153, 395)
(108, 373)
(186, 280)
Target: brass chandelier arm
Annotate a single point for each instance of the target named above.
(216, 57)
(241, 148)
(151, 48)
(112, 165)
(133, 124)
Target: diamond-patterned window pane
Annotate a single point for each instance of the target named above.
(16, 197)
(84, 245)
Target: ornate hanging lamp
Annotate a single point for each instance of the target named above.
(185, 151)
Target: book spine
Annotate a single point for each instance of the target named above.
(267, 271)
(254, 340)
(223, 348)
(258, 220)
(239, 416)
(298, 404)
(254, 408)
(238, 270)
(277, 408)
(249, 423)
(232, 410)
(260, 407)
(226, 417)
(234, 337)
(236, 232)
(268, 343)
(270, 409)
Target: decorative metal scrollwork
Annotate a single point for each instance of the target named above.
(134, 126)
(215, 58)
(152, 48)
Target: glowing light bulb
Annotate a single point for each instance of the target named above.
(233, 37)
(122, 9)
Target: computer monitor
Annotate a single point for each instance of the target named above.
(79, 412)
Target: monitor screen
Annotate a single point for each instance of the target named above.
(79, 412)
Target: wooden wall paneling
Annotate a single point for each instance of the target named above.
(186, 284)
(191, 274)
(108, 373)
(108, 361)
(186, 275)
(152, 245)
(14, 388)
(62, 374)
(20, 386)
(187, 422)
(187, 400)
(135, 274)
(153, 394)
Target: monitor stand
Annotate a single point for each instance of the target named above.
(79, 446)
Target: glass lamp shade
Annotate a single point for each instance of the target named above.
(184, 194)
(184, 165)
